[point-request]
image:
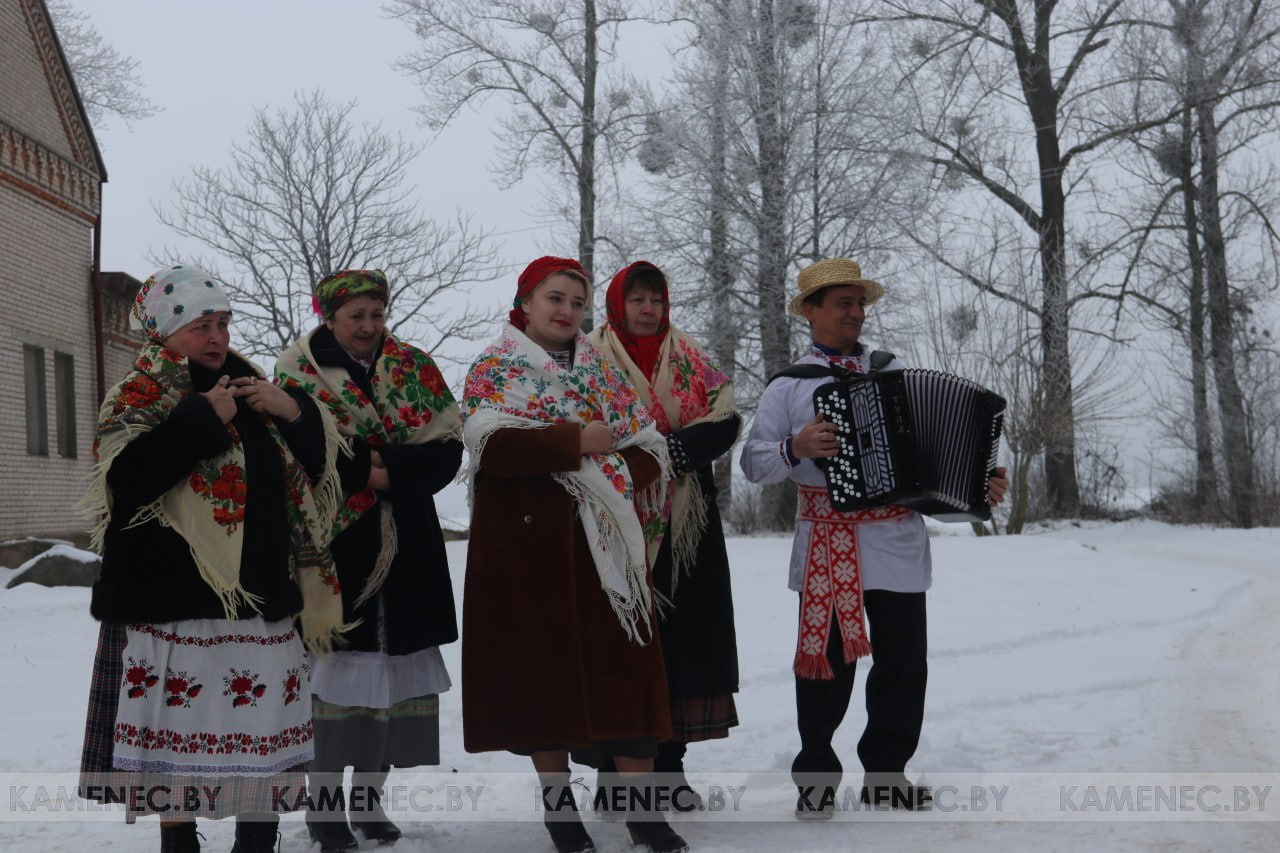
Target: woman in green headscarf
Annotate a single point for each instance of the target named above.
(375, 700)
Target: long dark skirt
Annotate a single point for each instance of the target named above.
(405, 735)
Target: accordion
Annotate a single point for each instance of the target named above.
(917, 438)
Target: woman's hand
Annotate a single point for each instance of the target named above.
(997, 485)
(223, 399)
(379, 480)
(596, 438)
(375, 459)
(266, 397)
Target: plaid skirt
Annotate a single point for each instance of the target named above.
(695, 718)
(183, 788)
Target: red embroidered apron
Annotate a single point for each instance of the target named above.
(832, 581)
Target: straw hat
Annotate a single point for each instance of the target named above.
(831, 273)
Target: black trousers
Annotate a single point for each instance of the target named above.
(895, 694)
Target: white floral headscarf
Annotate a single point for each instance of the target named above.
(173, 297)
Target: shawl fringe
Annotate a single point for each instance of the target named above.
(309, 560)
(688, 516)
(621, 546)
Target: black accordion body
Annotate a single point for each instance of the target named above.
(917, 438)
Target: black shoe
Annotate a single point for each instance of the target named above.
(657, 835)
(815, 804)
(332, 835)
(182, 838)
(256, 836)
(374, 825)
(895, 791)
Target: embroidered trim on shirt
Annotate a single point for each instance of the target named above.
(784, 453)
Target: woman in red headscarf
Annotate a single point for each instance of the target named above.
(692, 402)
(567, 477)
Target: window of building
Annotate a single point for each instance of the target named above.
(64, 390)
(37, 408)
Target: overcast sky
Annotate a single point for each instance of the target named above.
(209, 64)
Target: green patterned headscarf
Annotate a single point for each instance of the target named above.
(339, 288)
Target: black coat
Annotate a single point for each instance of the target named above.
(698, 637)
(148, 574)
(417, 596)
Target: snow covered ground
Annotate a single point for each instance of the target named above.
(1135, 654)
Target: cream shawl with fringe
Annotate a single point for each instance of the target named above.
(207, 508)
(687, 389)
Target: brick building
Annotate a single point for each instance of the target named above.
(51, 333)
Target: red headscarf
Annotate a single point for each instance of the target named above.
(642, 349)
(536, 273)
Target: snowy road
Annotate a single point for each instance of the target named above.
(1108, 649)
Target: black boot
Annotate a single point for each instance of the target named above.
(895, 791)
(180, 839)
(670, 764)
(256, 833)
(647, 825)
(561, 817)
(327, 817)
(330, 832)
(365, 812)
(653, 831)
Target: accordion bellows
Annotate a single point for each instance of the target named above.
(917, 438)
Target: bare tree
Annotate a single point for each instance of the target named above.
(760, 148)
(1221, 45)
(1215, 64)
(972, 68)
(308, 193)
(107, 80)
(574, 111)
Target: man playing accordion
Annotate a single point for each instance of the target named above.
(850, 568)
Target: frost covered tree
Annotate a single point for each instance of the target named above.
(1216, 65)
(1005, 100)
(309, 192)
(573, 107)
(106, 79)
(760, 148)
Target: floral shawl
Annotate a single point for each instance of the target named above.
(411, 405)
(686, 388)
(207, 508)
(516, 384)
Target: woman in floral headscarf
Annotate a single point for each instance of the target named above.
(213, 488)
(568, 480)
(376, 700)
(692, 402)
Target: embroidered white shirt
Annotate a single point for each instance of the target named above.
(893, 554)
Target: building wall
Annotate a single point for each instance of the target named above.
(120, 343)
(29, 101)
(48, 256)
(50, 194)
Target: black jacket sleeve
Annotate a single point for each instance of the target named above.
(155, 461)
(697, 446)
(305, 436)
(353, 470)
(415, 468)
